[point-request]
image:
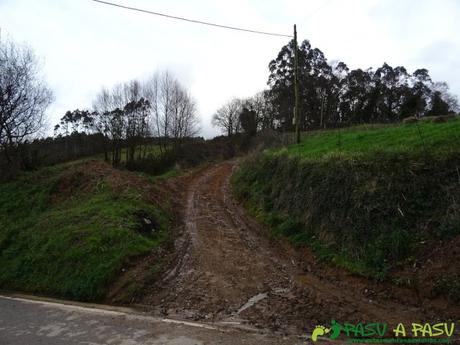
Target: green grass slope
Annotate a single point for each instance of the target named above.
(68, 230)
(370, 199)
(425, 138)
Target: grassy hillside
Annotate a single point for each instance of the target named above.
(371, 200)
(69, 230)
(439, 139)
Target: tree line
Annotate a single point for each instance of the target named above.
(333, 95)
(127, 119)
(130, 114)
(124, 122)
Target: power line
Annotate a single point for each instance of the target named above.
(190, 20)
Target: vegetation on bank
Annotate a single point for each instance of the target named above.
(70, 229)
(368, 141)
(367, 204)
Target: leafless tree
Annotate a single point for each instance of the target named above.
(24, 96)
(133, 111)
(108, 121)
(122, 117)
(173, 110)
(184, 122)
(450, 99)
(136, 112)
(260, 103)
(227, 117)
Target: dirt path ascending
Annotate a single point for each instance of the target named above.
(229, 271)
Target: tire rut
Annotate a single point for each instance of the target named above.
(230, 271)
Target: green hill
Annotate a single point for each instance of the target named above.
(375, 200)
(426, 137)
(70, 230)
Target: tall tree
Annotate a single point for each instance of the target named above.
(24, 96)
(227, 117)
(137, 127)
(129, 113)
(333, 95)
(248, 120)
(438, 105)
(173, 110)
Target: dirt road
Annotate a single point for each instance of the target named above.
(228, 271)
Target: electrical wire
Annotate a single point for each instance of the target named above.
(191, 20)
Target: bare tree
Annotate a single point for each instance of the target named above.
(131, 112)
(227, 117)
(102, 122)
(136, 119)
(184, 122)
(137, 128)
(173, 110)
(108, 121)
(24, 96)
(261, 104)
(450, 99)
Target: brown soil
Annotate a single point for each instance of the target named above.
(225, 258)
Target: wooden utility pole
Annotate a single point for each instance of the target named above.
(296, 90)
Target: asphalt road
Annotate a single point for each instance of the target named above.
(33, 322)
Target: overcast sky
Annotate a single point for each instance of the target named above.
(85, 45)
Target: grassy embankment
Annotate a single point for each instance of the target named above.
(69, 230)
(369, 198)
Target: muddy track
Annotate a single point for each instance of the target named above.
(228, 270)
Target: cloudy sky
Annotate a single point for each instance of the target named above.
(85, 45)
